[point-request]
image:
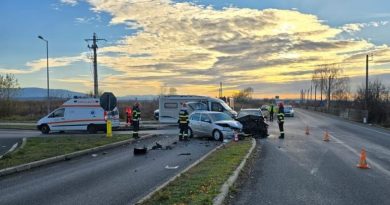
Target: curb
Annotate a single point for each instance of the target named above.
(143, 199)
(219, 199)
(24, 167)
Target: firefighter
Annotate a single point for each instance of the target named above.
(183, 123)
(281, 120)
(271, 113)
(128, 116)
(136, 119)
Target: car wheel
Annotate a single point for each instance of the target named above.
(217, 135)
(45, 129)
(190, 133)
(92, 129)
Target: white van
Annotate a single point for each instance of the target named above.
(78, 114)
(170, 105)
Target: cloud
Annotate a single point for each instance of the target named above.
(88, 20)
(355, 27)
(69, 2)
(194, 47)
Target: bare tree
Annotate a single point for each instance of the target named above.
(9, 87)
(244, 95)
(172, 91)
(377, 101)
(331, 83)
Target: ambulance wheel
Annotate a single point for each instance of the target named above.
(217, 135)
(92, 129)
(45, 129)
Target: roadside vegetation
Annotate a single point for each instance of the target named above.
(201, 184)
(38, 148)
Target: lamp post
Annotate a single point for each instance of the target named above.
(47, 72)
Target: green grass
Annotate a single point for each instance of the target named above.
(38, 148)
(19, 127)
(202, 183)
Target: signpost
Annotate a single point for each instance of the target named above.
(108, 103)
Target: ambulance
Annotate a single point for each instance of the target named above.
(78, 114)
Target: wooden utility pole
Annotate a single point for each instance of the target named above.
(95, 74)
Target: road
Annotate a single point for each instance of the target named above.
(303, 169)
(9, 137)
(117, 177)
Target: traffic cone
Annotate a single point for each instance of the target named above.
(307, 132)
(326, 136)
(363, 161)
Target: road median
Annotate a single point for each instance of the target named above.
(40, 151)
(207, 181)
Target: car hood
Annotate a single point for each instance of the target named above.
(229, 123)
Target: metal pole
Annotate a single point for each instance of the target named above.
(366, 101)
(47, 73)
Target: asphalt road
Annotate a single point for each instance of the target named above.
(304, 169)
(116, 177)
(9, 137)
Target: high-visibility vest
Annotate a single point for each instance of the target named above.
(280, 117)
(183, 117)
(136, 114)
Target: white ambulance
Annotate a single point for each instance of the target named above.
(78, 114)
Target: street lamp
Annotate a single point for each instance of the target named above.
(47, 72)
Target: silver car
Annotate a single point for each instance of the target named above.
(218, 125)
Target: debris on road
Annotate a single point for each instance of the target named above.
(169, 167)
(168, 147)
(140, 151)
(157, 146)
(186, 153)
(94, 155)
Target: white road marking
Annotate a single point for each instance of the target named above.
(373, 163)
(313, 171)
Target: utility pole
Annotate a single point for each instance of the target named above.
(220, 90)
(95, 75)
(315, 93)
(311, 92)
(329, 91)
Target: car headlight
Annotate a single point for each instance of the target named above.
(226, 129)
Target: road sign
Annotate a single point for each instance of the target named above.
(108, 101)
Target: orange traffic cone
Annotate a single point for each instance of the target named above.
(363, 162)
(326, 136)
(307, 132)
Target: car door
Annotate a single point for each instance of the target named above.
(205, 124)
(57, 120)
(194, 123)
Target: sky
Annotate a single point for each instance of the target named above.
(150, 46)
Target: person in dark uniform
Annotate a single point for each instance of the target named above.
(136, 119)
(183, 123)
(271, 113)
(281, 120)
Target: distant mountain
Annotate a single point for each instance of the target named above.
(41, 93)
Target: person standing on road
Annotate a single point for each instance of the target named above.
(271, 113)
(136, 119)
(183, 123)
(281, 120)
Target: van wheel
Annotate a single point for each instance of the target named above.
(45, 129)
(217, 135)
(92, 129)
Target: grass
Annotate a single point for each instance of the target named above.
(202, 183)
(38, 148)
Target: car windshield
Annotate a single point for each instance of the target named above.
(220, 116)
(288, 108)
(249, 112)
